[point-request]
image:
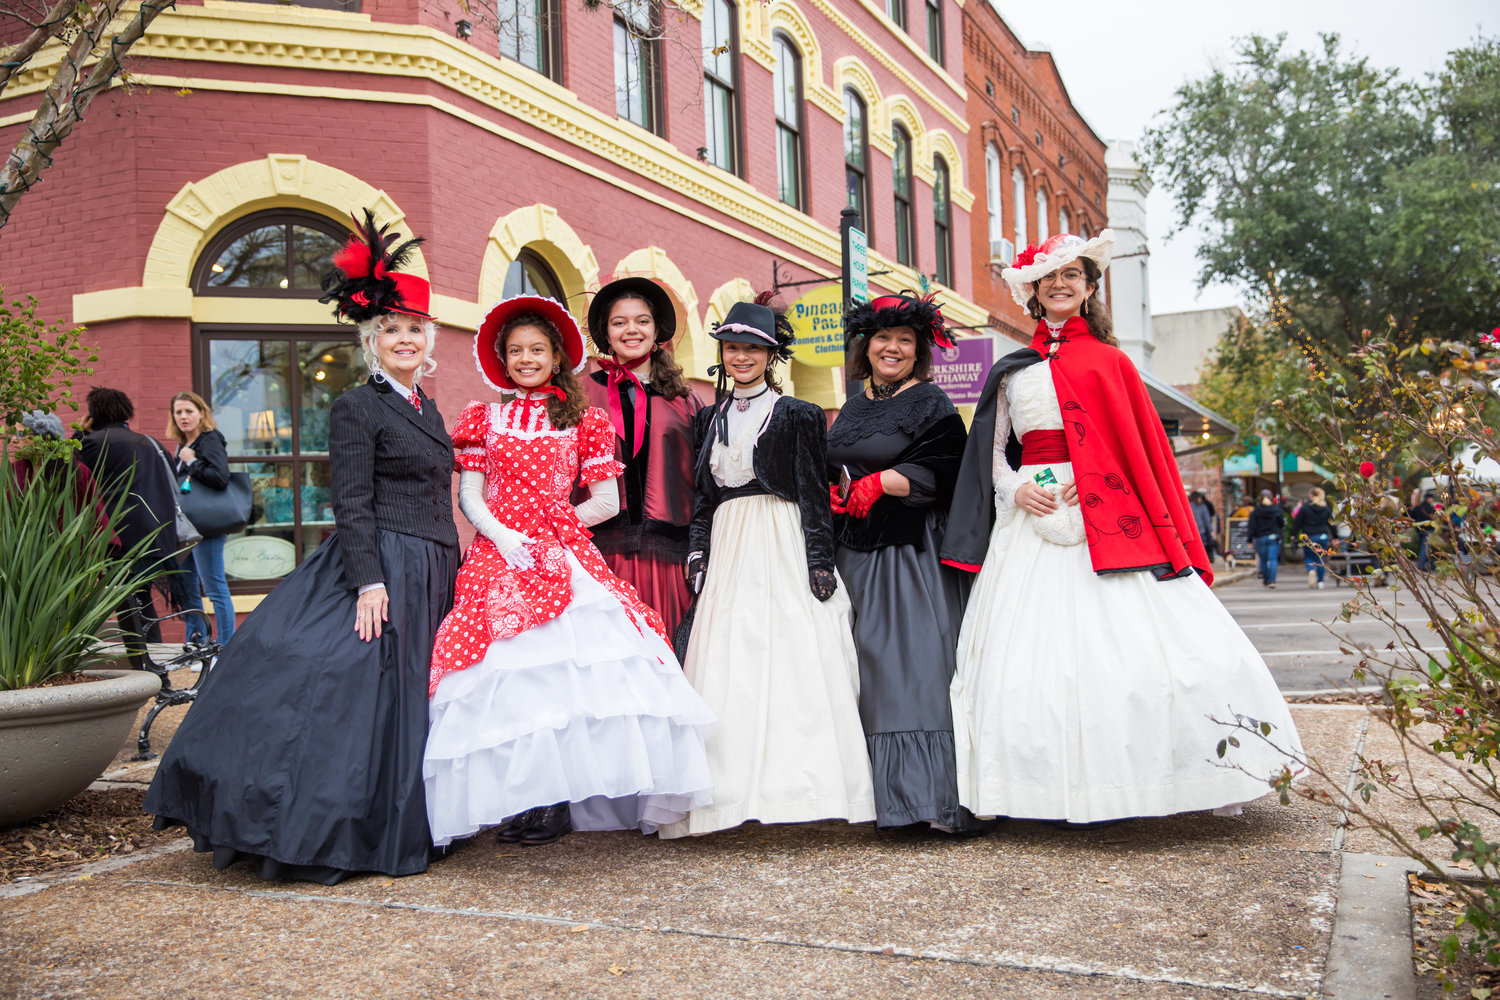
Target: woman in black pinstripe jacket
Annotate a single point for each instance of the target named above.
(303, 753)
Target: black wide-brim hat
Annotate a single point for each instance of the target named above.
(755, 323)
(662, 309)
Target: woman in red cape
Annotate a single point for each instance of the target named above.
(1093, 659)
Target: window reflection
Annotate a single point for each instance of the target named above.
(312, 256)
(528, 274)
(249, 389)
(254, 260)
(328, 369)
(264, 550)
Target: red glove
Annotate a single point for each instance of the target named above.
(835, 502)
(863, 494)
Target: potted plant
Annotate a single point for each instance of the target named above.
(61, 579)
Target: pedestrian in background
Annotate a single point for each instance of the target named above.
(203, 460)
(1264, 529)
(1313, 523)
(1423, 513)
(126, 464)
(900, 441)
(651, 407)
(1207, 521)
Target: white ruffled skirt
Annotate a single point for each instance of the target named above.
(1083, 697)
(586, 709)
(779, 669)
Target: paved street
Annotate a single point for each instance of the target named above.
(1289, 625)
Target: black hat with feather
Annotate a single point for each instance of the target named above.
(367, 280)
(749, 323)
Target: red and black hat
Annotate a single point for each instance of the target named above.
(907, 308)
(662, 309)
(487, 340)
(367, 281)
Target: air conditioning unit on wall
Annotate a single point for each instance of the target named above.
(1002, 253)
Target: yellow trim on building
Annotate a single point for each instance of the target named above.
(786, 16)
(542, 229)
(851, 71)
(692, 343)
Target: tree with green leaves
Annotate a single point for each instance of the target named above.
(1340, 196)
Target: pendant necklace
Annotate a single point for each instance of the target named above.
(888, 390)
(742, 403)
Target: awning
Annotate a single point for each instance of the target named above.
(1185, 418)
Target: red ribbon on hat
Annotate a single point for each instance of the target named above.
(620, 375)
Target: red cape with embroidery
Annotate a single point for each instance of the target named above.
(1135, 511)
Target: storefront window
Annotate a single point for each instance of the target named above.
(272, 389)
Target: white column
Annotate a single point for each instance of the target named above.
(1129, 284)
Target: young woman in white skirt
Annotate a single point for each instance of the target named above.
(1093, 659)
(770, 647)
(556, 703)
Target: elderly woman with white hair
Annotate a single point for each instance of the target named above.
(303, 752)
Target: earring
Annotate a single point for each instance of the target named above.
(556, 369)
(1084, 309)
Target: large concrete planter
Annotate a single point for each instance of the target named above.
(55, 741)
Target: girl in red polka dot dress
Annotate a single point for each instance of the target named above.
(556, 703)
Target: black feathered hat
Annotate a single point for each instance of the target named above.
(367, 281)
(757, 323)
(908, 308)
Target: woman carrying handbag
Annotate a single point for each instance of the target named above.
(202, 464)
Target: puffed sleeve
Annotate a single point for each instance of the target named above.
(596, 448)
(469, 436)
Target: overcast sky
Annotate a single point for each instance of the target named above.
(1121, 62)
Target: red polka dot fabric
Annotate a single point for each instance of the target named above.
(530, 470)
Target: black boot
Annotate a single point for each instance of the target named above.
(553, 824)
(514, 828)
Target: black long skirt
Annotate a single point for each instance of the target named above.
(907, 611)
(303, 752)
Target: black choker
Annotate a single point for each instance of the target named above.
(742, 403)
(888, 390)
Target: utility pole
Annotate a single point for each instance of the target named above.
(855, 259)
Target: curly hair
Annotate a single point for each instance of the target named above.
(1096, 313)
(108, 406)
(859, 360)
(666, 374)
(563, 413)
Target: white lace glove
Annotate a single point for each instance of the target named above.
(603, 503)
(510, 543)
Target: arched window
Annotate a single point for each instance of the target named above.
(901, 183)
(530, 32)
(857, 157)
(272, 386)
(720, 92)
(942, 220)
(528, 274)
(1083, 230)
(1062, 221)
(992, 196)
(787, 82)
(638, 62)
(1018, 196)
(1042, 232)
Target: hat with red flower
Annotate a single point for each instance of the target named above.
(367, 280)
(487, 340)
(886, 312)
(1064, 248)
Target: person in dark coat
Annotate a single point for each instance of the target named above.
(1264, 529)
(124, 465)
(203, 460)
(303, 752)
(900, 442)
(1313, 523)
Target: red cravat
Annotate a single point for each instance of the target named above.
(620, 376)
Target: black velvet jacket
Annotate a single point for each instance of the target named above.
(790, 458)
(924, 418)
(211, 467)
(392, 468)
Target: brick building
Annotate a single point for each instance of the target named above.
(698, 142)
(1038, 166)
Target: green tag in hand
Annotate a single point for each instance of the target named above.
(1045, 477)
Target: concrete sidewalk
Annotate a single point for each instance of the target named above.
(1183, 907)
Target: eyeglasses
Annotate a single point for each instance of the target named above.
(1071, 275)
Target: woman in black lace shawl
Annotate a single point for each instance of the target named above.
(900, 442)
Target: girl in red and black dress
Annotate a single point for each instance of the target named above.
(651, 408)
(556, 703)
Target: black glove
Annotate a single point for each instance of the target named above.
(695, 570)
(823, 583)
